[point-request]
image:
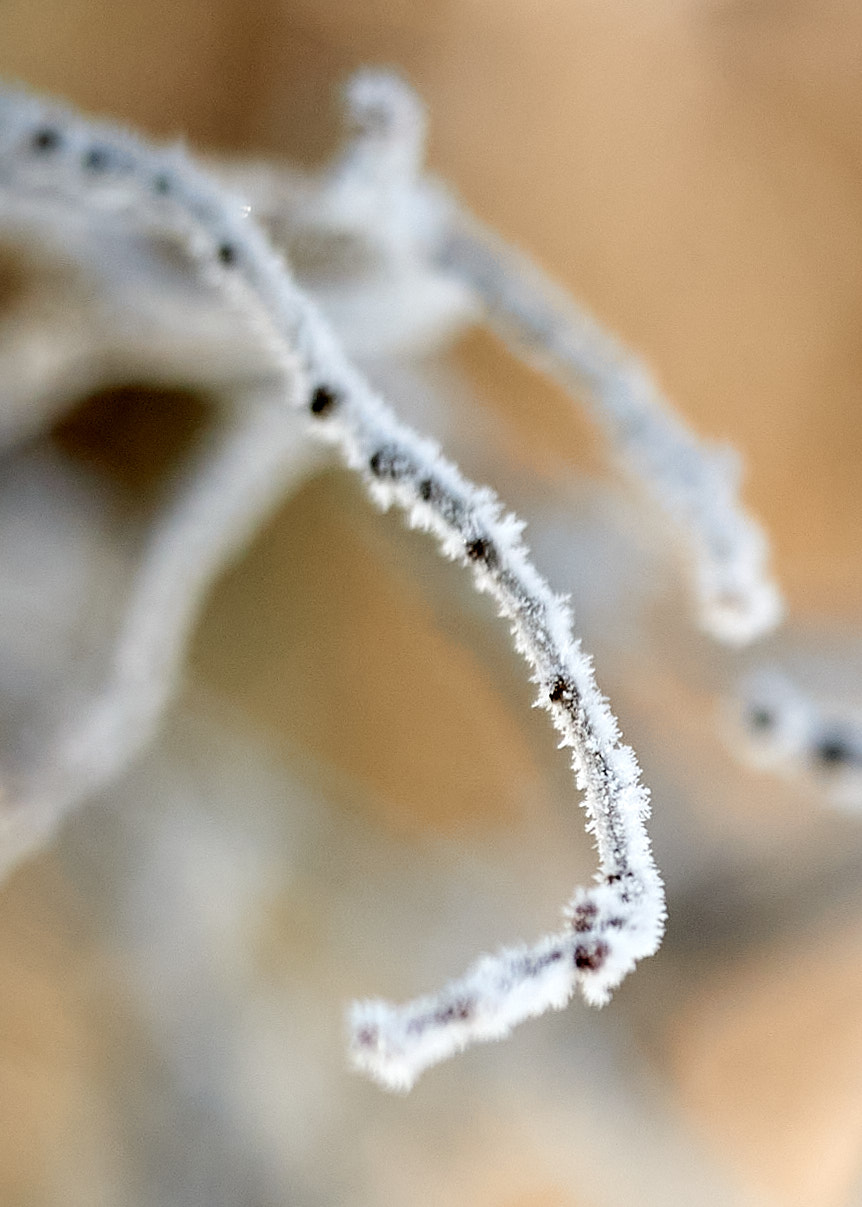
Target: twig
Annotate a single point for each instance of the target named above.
(374, 195)
(46, 150)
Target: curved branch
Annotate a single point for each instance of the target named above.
(613, 923)
(374, 195)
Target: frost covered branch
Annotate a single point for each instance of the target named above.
(48, 152)
(787, 731)
(375, 197)
(221, 498)
(694, 484)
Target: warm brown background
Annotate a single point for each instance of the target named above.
(694, 171)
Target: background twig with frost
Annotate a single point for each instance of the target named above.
(790, 732)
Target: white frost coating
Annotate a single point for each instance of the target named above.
(239, 474)
(372, 182)
(611, 924)
(790, 733)
(375, 191)
(696, 484)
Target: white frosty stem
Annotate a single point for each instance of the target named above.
(219, 499)
(696, 484)
(374, 192)
(372, 182)
(223, 497)
(611, 924)
(789, 732)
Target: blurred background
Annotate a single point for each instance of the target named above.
(352, 796)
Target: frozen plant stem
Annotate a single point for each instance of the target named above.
(375, 194)
(49, 153)
(695, 485)
(791, 733)
(224, 495)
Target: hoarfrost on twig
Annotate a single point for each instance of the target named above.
(696, 485)
(375, 196)
(612, 924)
(787, 731)
(223, 496)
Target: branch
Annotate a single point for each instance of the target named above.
(374, 196)
(789, 732)
(45, 150)
(695, 484)
(233, 482)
